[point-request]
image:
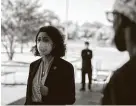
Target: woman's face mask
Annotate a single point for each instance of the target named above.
(44, 44)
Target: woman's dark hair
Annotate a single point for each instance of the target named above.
(56, 37)
(120, 38)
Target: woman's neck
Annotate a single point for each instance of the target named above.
(47, 58)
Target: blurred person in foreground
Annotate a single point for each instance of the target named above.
(51, 79)
(121, 89)
(86, 55)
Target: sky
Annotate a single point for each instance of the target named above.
(80, 10)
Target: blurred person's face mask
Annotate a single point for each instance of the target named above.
(44, 44)
(118, 27)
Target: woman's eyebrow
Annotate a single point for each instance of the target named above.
(45, 37)
(39, 37)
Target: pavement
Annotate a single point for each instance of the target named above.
(13, 88)
(82, 98)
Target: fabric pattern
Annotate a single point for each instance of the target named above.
(38, 79)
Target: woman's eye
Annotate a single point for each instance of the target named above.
(38, 40)
(45, 40)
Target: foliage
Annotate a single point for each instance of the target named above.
(21, 20)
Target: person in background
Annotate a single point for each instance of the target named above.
(86, 55)
(121, 89)
(51, 79)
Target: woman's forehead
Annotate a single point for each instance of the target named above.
(43, 34)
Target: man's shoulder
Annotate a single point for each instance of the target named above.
(86, 50)
(90, 50)
(83, 50)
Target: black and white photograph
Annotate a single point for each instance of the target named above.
(68, 52)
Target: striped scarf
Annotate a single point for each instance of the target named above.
(39, 78)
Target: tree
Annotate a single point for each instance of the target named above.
(75, 31)
(72, 29)
(105, 36)
(30, 15)
(90, 29)
(20, 21)
(50, 17)
(97, 24)
(8, 28)
(86, 29)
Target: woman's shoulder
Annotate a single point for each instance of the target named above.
(35, 62)
(65, 63)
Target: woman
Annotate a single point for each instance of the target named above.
(51, 79)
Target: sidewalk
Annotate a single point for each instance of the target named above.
(14, 89)
(13, 86)
(87, 97)
(82, 98)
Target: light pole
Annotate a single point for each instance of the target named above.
(66, 26)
